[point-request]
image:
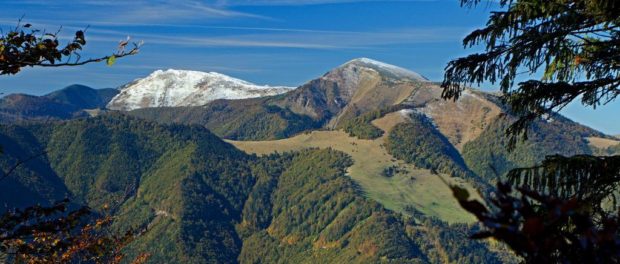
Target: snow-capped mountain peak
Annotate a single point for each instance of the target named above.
(167, 88)
(363, 71)
(385, 68)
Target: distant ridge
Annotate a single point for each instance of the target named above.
(83, 96)
(66, 103)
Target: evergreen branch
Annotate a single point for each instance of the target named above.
(583, 177)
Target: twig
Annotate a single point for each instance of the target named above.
(132, 52)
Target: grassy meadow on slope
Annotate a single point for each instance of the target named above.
(604, 146)
(394, 183)
(304, 209)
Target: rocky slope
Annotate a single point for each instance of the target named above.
(171, 88)
(356, 87)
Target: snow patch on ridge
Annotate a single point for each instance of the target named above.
(406, 113)
(384, 67)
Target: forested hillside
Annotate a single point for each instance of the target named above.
(204, 201)
(246, 119)
(489, 157)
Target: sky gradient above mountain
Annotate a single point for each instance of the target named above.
(276, 42)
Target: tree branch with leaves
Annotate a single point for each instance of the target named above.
(53, 234)
(24, 46)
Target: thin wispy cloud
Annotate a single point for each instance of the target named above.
(299, 2)
(173, 11)
(127, 12)
(266, 37)
(299, 39)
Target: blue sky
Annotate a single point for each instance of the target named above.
(278, 42)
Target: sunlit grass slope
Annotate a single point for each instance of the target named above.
(407, 186)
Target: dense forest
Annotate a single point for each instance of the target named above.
(488, 155)
(204, 201)
(248, 119)
(361, 126)
(420, 143)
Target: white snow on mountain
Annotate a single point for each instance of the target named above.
(387, 68)
(186, 88)
(350, 75)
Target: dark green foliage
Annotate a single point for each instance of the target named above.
(418, 142)
(489, 158)
(361, 126)
(248, 119)
(317, 215)
(114, 160)
(257, 209)
(362, 130)
(113, 157)
(207, 224)
(32, 182)
(581, 177)
(390, 171)
(444, 243)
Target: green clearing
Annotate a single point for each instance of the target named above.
(407, 186)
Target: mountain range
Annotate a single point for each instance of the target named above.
(343, 169)
(70, 102)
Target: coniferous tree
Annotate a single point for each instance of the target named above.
(564, 210)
